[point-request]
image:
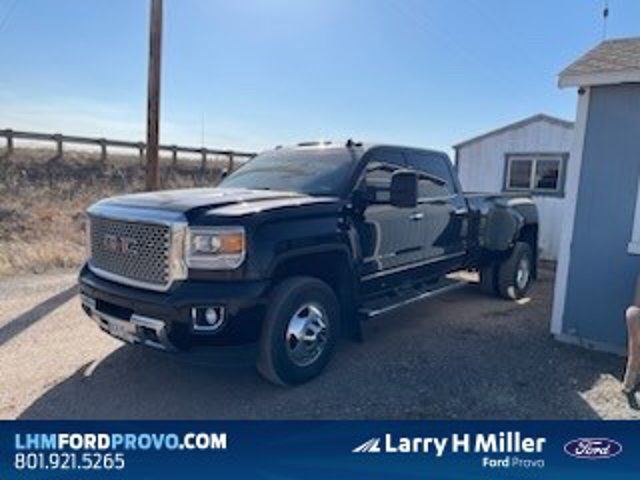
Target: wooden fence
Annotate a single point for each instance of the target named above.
(60, 140)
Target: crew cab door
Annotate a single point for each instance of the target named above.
(443, 210)
(388, 236)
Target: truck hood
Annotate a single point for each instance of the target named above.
(222, 201)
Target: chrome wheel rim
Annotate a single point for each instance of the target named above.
(306, 336)
(523, 274)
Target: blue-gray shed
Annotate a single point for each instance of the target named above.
(599, 258)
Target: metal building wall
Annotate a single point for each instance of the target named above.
(481, 167)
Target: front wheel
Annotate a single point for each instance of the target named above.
(515, 274)
(299, 332)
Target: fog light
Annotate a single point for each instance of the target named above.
(211, 316)
(207, 319)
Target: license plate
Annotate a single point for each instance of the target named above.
(122, 330)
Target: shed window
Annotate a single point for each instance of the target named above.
(540, 174)
(520, 171)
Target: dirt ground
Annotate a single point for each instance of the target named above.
(459, 356)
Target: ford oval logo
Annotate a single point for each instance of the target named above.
(593, 448)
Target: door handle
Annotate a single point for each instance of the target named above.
(416, 216)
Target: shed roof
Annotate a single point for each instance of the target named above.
(611, 62)
(540, 117)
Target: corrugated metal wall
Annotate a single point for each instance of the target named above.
(481, 168)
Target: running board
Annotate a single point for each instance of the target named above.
(381, 306)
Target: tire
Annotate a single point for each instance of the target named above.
(515, 273)
(489, 280)
(298, 306)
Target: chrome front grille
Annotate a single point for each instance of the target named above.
(136, 252)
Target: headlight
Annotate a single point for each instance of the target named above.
(216, 248)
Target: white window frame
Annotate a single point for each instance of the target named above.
(534, 159)
(634, 244)
(518, 158)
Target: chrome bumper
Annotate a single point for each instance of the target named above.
(139, 329)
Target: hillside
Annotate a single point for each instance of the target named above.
(43, 198)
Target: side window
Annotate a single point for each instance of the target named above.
(378, 172)
(434, 175)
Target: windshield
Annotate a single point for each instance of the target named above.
(321, 171)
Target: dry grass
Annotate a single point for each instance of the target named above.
(43, 199)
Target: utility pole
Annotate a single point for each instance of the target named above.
(153, 95)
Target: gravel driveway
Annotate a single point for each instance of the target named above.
(460, 356)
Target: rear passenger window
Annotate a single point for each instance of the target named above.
(434, 178)
(378, 173)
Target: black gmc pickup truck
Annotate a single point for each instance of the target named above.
(296, 248)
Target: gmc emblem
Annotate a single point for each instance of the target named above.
(116, 244)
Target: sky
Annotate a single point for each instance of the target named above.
(260, 73)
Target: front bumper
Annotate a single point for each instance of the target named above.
(162, 320)
(151, 332)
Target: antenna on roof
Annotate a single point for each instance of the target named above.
(605, 17)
